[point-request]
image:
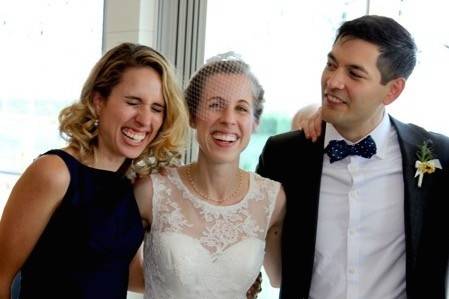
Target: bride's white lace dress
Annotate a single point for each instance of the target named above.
(197, 250)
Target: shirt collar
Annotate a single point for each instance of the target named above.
(379, 134)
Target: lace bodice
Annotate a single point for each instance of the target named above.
(198, 250)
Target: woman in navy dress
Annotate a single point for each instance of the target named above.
(71, 224)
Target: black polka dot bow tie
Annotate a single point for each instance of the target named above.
(339, 149)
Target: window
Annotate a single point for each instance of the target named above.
(286, 46)
(424, 100)
(48, 49)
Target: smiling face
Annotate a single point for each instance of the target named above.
(353, 96)
(225, 119)
(130, 118)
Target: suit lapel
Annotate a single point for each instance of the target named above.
(414, 203)
(314, 165)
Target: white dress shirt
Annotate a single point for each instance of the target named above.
(360, 245)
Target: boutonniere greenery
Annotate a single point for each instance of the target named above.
(426, 162)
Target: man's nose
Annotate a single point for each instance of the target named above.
(335, 79)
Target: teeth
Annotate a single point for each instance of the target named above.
(225, 137)
(334, 99)
(134, 135)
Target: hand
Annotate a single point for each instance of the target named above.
(163, 171)
(312, 125)
(255, 289)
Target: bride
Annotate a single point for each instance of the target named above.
(211, 225)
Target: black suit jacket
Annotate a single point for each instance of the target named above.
(297, 163)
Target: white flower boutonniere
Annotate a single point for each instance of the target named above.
(425, 163)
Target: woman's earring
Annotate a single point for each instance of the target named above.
(96, 123)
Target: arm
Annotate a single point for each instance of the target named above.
(136, 281)
(143, 192)
(272, 261)
(32, 202)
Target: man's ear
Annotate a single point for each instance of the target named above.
(98, 101)
(395, 88)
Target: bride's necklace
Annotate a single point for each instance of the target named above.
(206, 196)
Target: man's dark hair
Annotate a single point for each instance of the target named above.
(397, 49)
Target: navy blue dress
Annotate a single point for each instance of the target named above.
(85, 250)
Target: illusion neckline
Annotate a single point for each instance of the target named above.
(196, 198)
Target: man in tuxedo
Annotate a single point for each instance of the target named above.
(364, 218)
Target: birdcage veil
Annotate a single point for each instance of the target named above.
(224, 65)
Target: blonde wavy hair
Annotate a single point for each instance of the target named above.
(77, 121)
